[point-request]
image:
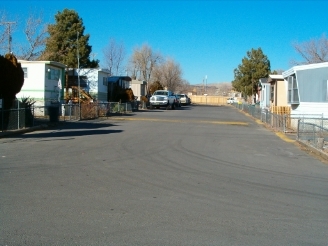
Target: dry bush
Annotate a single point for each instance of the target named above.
(89, 111)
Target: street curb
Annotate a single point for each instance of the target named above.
(313, 150)
(22, 131)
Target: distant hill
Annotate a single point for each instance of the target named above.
(218, 84)
(222, 88)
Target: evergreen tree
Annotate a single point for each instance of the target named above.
(253, 67)
(67, 40)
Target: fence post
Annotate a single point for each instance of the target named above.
(18, 114)
(321, 130)
(298, 129)
(284, 123)
(2, 114)
(70, 111)
(33, 116)
(314, 139)
(80, 113)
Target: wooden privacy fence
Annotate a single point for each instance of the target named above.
(210, 100)
(280, 110)
(285, 119)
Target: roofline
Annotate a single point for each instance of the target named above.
(57, 64)
(127, 78)
(304, 67)
(104, 70)
(275, 77)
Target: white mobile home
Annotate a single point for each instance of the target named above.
(307, 89)
(43, 81)
(139, 88)
(96, 82)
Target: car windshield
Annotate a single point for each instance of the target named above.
(182, 95)
(164, 93)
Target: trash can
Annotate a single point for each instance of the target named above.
(53, 112)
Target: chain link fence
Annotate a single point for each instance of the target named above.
(311, 129)
(314, 131)
(20, 118)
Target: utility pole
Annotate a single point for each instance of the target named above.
(206, 84)
(203, 88)
(78, 72)
(93, 55)
(206, 88)
(8, 24)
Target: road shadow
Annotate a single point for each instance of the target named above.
(70, 130)
(69, 134)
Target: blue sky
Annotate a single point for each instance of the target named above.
(207, 38)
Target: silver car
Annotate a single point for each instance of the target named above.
(184, 99)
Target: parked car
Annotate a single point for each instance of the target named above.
(184, 99)
(162, 98)
(177, 101)
(231, 100)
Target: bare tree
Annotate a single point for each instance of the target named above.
(114, 54)
(169, 74)
(313, 51)
(157, 74)
(36, 33)
(183, 87)
(143, 61)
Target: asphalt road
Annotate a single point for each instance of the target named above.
(194, 176)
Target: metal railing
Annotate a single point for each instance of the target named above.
(311, 129)
(281, 122)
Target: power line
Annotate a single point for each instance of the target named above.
(8, 23)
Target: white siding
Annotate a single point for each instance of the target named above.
(34, 84)
(102, 89)
(96, 87)
(92, 79)
(51, 85)
(138, 88)
(309, 109)
(37, 85)
(265, 96)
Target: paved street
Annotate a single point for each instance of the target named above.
(198, 175)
